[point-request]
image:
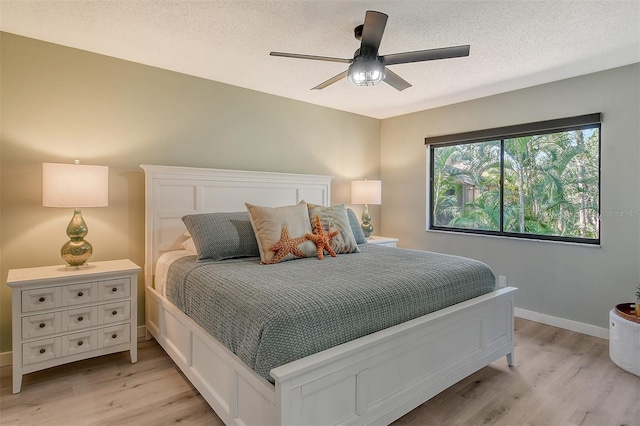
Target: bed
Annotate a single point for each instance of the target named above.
(373, 379)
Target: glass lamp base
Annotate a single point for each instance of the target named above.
(367, 227)
(76, 251)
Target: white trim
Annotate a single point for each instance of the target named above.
(5, 358)
(567, 324)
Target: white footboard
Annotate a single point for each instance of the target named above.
(236, 393)
(374, 379)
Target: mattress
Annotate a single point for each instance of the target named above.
(269, 315)
(162, 268)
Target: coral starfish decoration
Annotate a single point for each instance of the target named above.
(286, 245)
(322, 240)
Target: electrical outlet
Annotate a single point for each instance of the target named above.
(502, 281)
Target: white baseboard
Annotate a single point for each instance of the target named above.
(142, 330)
(6, 357)
(567, 324)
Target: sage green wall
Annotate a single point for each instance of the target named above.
(573, 282)
(59, 104)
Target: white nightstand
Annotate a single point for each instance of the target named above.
(382, 241)
(64, 315)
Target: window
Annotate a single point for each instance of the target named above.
(538, 181)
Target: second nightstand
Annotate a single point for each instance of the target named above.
(382, 241)
(64, 315)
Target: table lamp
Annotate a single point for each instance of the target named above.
(366, 192)
(75, 186)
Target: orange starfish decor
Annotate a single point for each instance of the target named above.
(286, 245)
(322, 240)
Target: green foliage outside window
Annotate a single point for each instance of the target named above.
(536, 185)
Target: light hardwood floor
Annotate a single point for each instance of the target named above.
(559, 378)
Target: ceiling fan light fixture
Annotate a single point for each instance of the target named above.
(366, 72)
(367, 67)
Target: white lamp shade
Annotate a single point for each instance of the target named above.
(74, 185)
(366, 192)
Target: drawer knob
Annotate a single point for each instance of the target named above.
(42, 325)
(114, 313)
(80, 343)
(114, 289)
(43, 350)
(114, 335)
(80, 294)
(80, 319)
(41, 299)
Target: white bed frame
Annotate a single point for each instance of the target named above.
(371, 380)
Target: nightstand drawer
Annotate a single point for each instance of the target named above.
(115, 335)
(78, 342)
(114, 289)
(41, 299)
(114, 312)
(77, 319)
(40, 350)
(40, 325)
(78, 294)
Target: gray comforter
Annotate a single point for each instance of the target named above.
(269, 315)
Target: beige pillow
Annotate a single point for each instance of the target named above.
(335, 218)
(268, 222)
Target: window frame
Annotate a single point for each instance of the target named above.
(500, 134)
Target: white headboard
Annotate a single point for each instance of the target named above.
(172, 192)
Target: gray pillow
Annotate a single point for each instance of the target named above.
(219, 236)
(355, 228)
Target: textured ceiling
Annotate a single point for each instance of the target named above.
(514, 44)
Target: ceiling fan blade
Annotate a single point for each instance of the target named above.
(313, 57)
(374, 23)
(395, 80)
(426, 55)
(330, 81)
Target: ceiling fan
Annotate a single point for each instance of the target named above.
(367, 67)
